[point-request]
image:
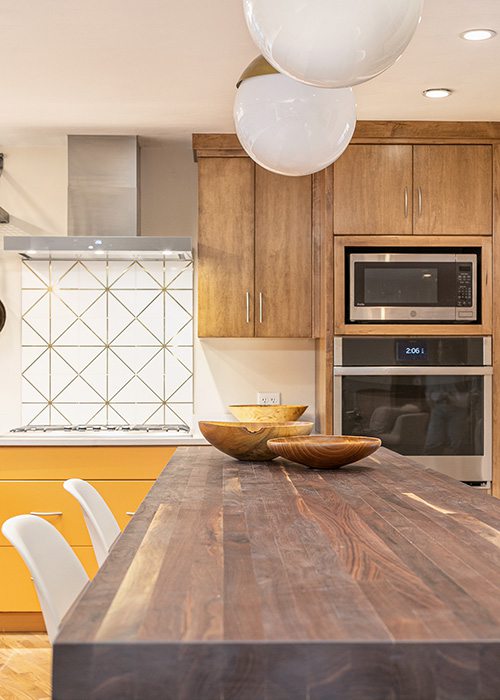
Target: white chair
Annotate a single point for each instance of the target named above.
(101, 523)
(56, 571)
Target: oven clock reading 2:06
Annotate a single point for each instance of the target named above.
(411, 350)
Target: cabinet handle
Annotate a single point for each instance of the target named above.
(248, 306)
(130, 512)
(406, 202)
(420, 201)
(46, 515)
(261, 307)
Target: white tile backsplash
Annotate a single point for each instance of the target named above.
(107, 342)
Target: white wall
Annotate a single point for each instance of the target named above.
(33, 190)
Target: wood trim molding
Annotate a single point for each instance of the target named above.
(323, 297)
(217, 146)
(496, 322)
(428, 131)
(484, 242)
(228, 145)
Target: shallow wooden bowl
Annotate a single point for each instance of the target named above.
(324, 451)
(253, 413)
(248, 441)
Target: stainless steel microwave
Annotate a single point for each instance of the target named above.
(412, 287)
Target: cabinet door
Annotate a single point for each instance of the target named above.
(226, 247)
(373, 191)
(453, 190)
(283, 255)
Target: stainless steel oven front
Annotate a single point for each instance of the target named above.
(393, 286)
(428, 398)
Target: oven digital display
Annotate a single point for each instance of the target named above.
(411, 350)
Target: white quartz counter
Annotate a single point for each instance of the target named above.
(98, 439)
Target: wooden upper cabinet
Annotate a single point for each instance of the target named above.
(373, 190)
(283, 255)
(453, 190)
(226, 247)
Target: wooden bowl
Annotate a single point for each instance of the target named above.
(324, 451)
(248, 441)
(253, 413)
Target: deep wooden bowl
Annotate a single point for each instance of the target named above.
(248, 441)
(253, 413)
(324, 451)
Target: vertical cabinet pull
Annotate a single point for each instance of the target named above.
(247, 296)
(406, 202)
(420, 201)
(261, 307)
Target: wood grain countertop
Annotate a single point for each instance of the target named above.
(269, 581)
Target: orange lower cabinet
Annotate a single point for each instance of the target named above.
(17, 592)
(31, 481)
(63, 511)
(121, 462)
(123, 497)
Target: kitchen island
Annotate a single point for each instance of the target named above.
(269, 581)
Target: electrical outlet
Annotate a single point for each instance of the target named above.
(268, 398)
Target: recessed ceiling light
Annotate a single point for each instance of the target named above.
(437, 93)
(478, 34)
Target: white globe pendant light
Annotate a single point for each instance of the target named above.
(332, 43)
(288, 127)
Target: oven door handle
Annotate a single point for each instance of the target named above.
(417, 369)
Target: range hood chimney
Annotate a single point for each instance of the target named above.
(103, 186)
(103, 208)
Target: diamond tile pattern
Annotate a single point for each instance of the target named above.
(107, 342)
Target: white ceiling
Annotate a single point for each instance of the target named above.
(163, 69)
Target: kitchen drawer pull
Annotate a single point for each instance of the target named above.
(420, 201)
(261, 307)
(248, 306)
(406, 202)
(48, 514)
(130, 512)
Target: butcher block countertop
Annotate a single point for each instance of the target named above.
(270, 581)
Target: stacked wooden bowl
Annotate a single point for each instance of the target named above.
(248, 441)
(324, 451)
(278, 413)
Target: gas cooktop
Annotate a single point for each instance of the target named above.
(168, 428)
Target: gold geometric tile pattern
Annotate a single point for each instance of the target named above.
(107, 342)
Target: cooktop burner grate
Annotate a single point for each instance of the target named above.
(167, 428)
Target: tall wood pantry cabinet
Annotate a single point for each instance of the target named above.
(254, 251)
(425, 189)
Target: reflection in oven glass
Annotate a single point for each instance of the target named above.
(417, 415)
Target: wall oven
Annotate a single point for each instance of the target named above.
(403, 285)
(428, 398)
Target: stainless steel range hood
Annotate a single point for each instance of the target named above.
(111, 248)
(103, 208)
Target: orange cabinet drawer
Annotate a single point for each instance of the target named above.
(18, 497)
(120, 462)
(17, 592)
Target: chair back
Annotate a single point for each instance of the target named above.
(101, 523)
(56, 571)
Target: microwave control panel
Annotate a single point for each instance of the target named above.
(464, 284)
